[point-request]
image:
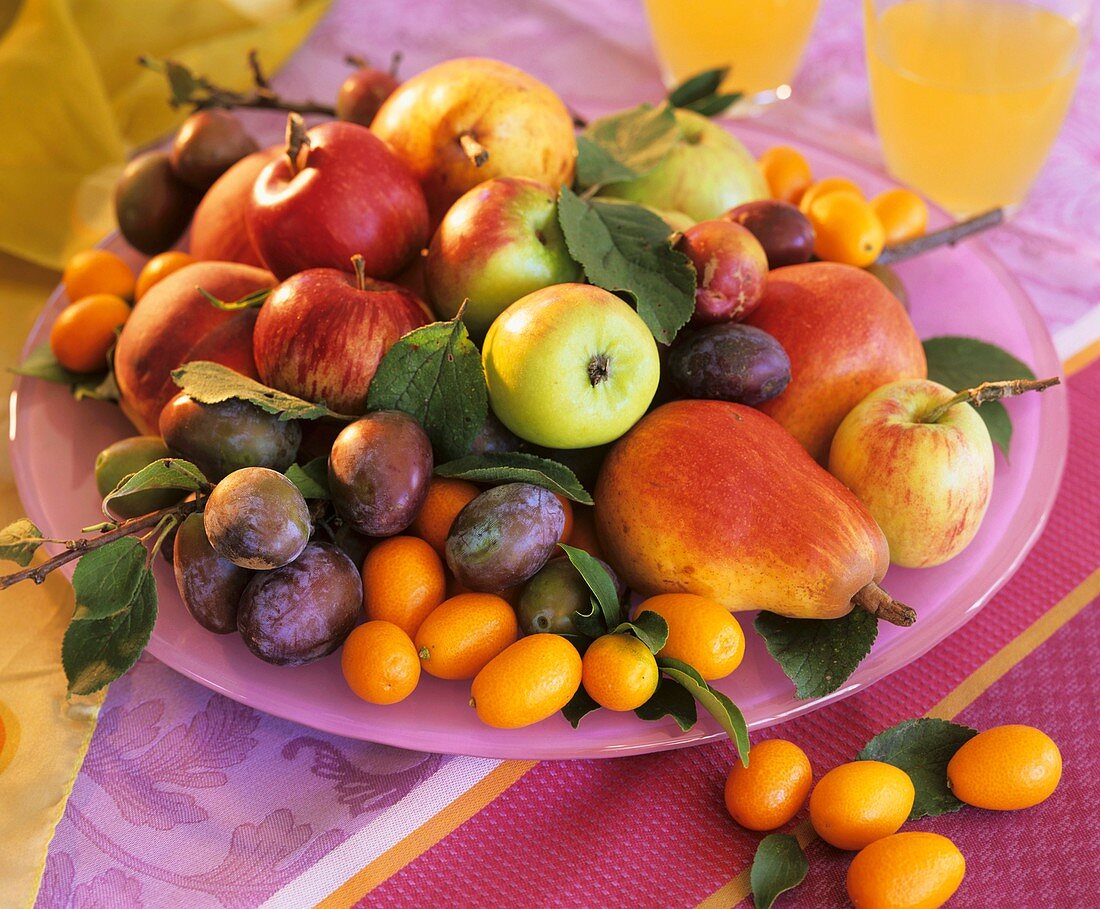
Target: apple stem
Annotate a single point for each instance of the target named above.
(360, 266)
(395, 63)
(990, 391)
(598, 369)
(883, 606)
(946, 236)
(297, 142)
(475, 151)
(356, 61)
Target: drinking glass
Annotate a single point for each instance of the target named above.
(760, 40)
(968, 95)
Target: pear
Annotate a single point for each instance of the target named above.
(717, 499)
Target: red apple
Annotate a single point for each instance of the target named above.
(730, 267)
(218, 230)
(322, 333)
(345, 194)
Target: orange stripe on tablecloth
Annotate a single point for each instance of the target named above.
(962, 696)
(1082, 358)
(426, 835)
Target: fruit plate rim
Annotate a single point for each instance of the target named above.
(561, 741)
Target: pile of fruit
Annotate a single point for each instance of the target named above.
(640, 309)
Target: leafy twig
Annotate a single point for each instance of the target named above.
(74, 549)
(188, 88)
(947, 236)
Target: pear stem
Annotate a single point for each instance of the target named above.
(883, 606)
(475, 151)
(297, 142)
(990, 391)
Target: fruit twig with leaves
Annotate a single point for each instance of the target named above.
(190, 88)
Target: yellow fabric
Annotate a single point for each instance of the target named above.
(73, 105)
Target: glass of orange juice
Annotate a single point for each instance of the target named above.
(968, 95)
(761, 41)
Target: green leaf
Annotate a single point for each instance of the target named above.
(778, 866)
(42, 364)
(181, 81)
(95, 652)
(106, 580)
(922, 749)
(517, 467)
(590, 624)
(714, 702)
(625, 248)
(649, 628)
(600, 583)
(248, 301)
(580, 705)
(311, 479)
(212, 383)
(626, 144)
(434, 374)
(960, 363)
(19, 541)
(818, 655)
(715, 104)
(670, 699)
(696, 88)
(164, 473)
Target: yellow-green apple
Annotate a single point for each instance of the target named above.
(845, 334)
(706, 173)
(570, 366)
(499, 242)
(343, 194)
(173, 323)
(322, 333)
(468, 120)
(926, 481)
(717, 499)
(218, 230)
(730, 270)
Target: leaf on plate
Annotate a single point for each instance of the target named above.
(600, 583)
(434, 374)
(625, 144)
(818, 655)
(922, 749)
(164, 473)
(311, 478)
(578, 707)
(719, 706)
(96, 651)
(212, 383)
(778, 866)
(42, 364)
(649, 628)
(517, 467)
(106, 580)
(19, 541)
(590, 623)
(625, 249)
(670, 699)
(961, 363)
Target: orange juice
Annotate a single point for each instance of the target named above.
(761, 40)
(969, 95)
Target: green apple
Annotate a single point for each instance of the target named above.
(706, 173)
(926, 482)
(570, 366)
(499, 242)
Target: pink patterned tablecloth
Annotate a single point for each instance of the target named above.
(188, 799)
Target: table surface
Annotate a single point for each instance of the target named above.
(189, 799)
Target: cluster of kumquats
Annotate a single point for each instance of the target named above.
(101, 287)
(860, 806)
(848, 227)
(421, 619)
